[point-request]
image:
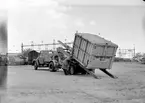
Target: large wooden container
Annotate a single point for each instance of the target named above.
(93, 51)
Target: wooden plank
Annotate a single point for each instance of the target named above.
(108, 73)
(61, 50)
(65, 45)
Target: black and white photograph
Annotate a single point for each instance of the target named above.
(72, 51)
(3, 52)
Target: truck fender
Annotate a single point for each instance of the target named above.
(36, 61)
(54, 61)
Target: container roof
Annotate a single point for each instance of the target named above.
(95, 39)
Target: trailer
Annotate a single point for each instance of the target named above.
(89, 52)
(31, 56)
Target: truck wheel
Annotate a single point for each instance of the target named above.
(51, 67)
(35, 66)
(65, 72)
(83, 72)
(72, 70)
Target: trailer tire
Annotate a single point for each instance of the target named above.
(35, 66)
(52, 67)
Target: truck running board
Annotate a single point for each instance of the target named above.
(108, 73)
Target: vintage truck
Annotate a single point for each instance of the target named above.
(43, 59)
(142, 60)
(48, 58)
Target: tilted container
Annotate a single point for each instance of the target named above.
(93, 51)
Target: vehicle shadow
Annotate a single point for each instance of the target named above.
(60, 72)
(43, 69)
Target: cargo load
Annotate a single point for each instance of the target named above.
(89, 52)
(93, 51)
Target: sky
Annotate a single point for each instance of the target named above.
(121, 21)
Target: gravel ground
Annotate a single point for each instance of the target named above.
(25, 85)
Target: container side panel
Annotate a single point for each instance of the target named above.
(89, 48)
(83, 45)
(101, 58)
(82, 50)
(110, 51)
(86, 59)
(81, 55)
(96, 63)
(75, 51)
(112, 59)
(77, 42)
(98, 50)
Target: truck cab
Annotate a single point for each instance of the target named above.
(43, 59)
(143, 60)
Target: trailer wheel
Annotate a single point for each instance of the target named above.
(35, 66)
(52, 67)
(72, 70)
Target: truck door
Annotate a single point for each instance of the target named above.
(41, 59)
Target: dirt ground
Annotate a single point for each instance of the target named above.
(25, 85)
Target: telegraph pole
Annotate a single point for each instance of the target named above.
(134, 49)
(54, 44)
(32, 45)
(22, 48)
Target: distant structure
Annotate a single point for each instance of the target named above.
(42, 46)
(125, 53)
(122, 53)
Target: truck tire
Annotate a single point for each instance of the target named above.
(52, 67)
(83, 72)
(35, 66)
(65, 72)
(72, 70)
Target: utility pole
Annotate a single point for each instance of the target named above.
(32, 45)
(54, 44)
(99, 34)
(120, 55)
(134, 49)
(22, 48)
(46, 47)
